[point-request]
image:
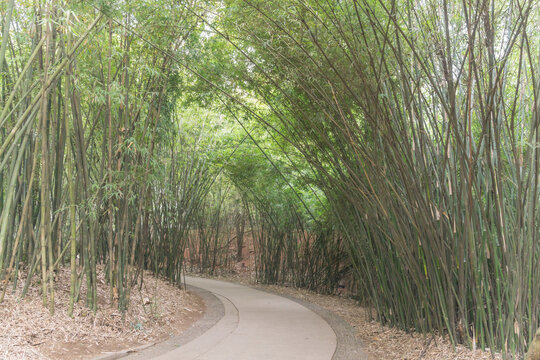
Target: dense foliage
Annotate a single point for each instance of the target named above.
(421, 123)
(395, 139)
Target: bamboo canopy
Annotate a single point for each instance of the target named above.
(394, 144)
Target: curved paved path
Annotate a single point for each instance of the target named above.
(258, 325)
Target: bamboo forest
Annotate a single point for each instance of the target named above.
(378, 153)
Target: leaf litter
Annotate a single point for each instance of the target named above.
(156, 311)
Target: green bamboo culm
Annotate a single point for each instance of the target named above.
(76, 167)
(396, 141)
(421, 121)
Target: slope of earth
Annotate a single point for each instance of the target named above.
(156, 311)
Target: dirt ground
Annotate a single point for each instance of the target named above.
(157, 311)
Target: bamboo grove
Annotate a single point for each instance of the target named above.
(90, 168)
(396, 142)
(244, 211)
(421, 122)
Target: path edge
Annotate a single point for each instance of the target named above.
(214, 312)
(348, 346)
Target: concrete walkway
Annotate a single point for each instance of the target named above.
(258, 325)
